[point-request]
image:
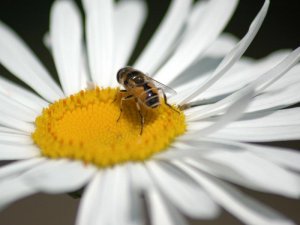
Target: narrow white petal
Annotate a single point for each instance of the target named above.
(246, 169)
(129, 19)
(13, 190)
(161, 211)
(100, 39)
(15, 138)
(165, 36)
(66, 43)
(263, 82)
(14, 152)
(11, 122)
(140, 177)
(260, 134)
(287, 158)
(47, 40)
(19, 167)
(234, 55)
(102, 199)
(278, 71)
(172, 154)
(89, 201)
(283, 117)
(206, 111)
(284, 157)
(243, 207)
(116, 200)
(21, 95)
(59, 176)
(191, 200)
(224, 43)
(234, 112)
(16, 110)
(198, 72)
(242, 73)
(217, 14)
(7, 130)
(276, 98)
(85, 74)
(20, 60)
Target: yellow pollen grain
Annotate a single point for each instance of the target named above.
(84, 127)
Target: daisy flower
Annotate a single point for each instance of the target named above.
(189, 156)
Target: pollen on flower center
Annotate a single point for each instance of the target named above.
(84, 126)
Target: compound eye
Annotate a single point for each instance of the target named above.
(120, 73)
(139, 80)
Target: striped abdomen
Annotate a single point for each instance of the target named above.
(150, 96)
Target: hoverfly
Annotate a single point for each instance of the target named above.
(143, 89)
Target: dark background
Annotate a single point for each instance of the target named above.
(30, 19)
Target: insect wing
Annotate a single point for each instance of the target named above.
(167, 90)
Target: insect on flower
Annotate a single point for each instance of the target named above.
(143, 89)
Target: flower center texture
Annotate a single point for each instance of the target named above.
(85, 127)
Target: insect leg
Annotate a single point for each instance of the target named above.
(141, 115)
(121, 104)
(120, 91)
(165, 100)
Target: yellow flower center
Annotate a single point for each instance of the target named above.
(85, 127)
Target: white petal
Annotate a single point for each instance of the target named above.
(19, 167)
(189, 199)
(243, 207)
(278, 71)
(13, 190)
(20, 60)
(276, 98)
(206, 111)
(233, 112)
(21, 95)
(164, 38)
(263, 82)
(115, 206)
(15, 138)
(89, 201)
(283, 117)
(107, 201)
(66, 43)
(85, 74)
(14, 152)
(129, 19)
(11, 122)
(233, 55)
(47, 40)
(281, 94)
(224, 43)
(16, 110)
(246, 169)
(260, 134)
(59, 176)
(7, 130)
(161, 211)
(242, 73)
(141, 179)
(99, 34)
(217, 14)
(287, 158)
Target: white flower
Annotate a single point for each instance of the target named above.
(227, 109)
